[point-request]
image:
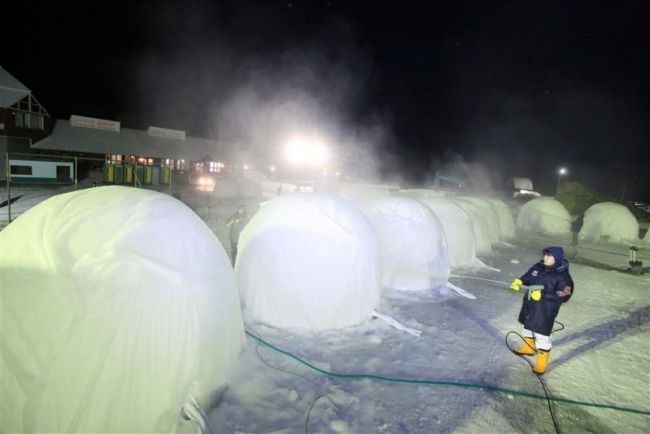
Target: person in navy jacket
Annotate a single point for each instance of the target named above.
(541, 306)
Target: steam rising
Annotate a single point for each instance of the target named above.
(300, 94)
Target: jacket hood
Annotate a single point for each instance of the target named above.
(558, 253)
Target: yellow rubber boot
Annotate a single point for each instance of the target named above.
(542, 361)
(527, 348)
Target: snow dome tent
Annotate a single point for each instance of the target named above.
(119, 305)
(480, 224)
(459, 232)
(414, 249)
(546, 215)
(309, 261)
(490, 217)
(505, 218)
(609, 221)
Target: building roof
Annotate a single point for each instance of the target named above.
(11, 90)
(126, 142)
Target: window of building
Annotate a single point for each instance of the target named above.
(29, 120)
(21, 170)
(36, 122)
(114, 158)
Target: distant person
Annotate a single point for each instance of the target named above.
(237, 221)
(576, 225)
(541, 306)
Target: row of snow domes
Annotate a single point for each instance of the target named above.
(124, 298)
(606, 221)
(120, 305)
(320, 261)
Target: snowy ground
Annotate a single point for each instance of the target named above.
(601, 357)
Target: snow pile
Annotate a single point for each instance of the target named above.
(546, 215)
(118, 305)
(505, 218)
(414, 249)
(459, 232)
(609, 221)
(309, 261)
(483, 226)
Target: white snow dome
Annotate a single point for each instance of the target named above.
(459, 232)
(505, 218)
(309, 261)
(546, 215)
(609, 221)
(118, 304)
(483, 228)
(490, 216)
(413, 245)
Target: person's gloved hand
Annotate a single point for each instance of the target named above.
(516, 284)
(536, 295)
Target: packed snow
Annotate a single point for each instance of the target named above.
(413, 244)
(546, 215)
(609, 221)
(119, 308)
(309, 261)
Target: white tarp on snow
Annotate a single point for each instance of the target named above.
(545, 215)
(309, 261)
(414, 249)
(117, 305)
(611, 222)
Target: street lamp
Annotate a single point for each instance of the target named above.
(560, 172)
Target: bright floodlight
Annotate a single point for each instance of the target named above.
(305, 151)
(562, 171)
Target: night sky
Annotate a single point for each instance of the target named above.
(521, 87)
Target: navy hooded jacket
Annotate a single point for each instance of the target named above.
(539, 316)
